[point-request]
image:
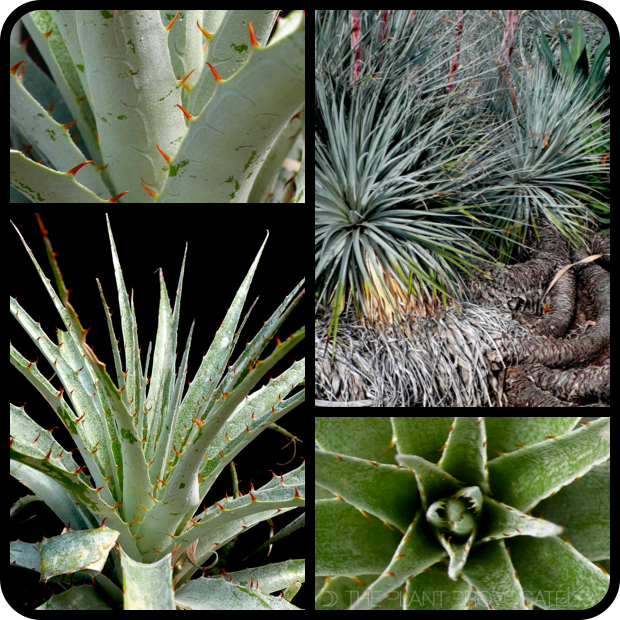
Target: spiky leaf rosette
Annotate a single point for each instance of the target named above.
(458, 523)
(436, 147)
(383, 144)
(187, 106)
(154, 447)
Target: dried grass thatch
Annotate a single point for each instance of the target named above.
(450, 360)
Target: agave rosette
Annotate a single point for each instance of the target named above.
(154, 449)
(462, 513)
(201, 106)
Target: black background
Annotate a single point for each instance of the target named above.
(223, 243)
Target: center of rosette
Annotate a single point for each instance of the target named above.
(456, 515)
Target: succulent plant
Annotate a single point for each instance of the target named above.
(201, 106)
(484, 513)
(441, 153)
(575, 61)
(135, 531)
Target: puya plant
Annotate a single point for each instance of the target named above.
(135, 532)
(197, 106)
(465, 513)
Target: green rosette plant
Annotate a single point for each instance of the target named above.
(444, 513)
(575, 63)
(137, 528)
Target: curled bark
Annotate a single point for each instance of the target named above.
(562, 353)
(582, 357)
(569, 385)
(526, 341)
